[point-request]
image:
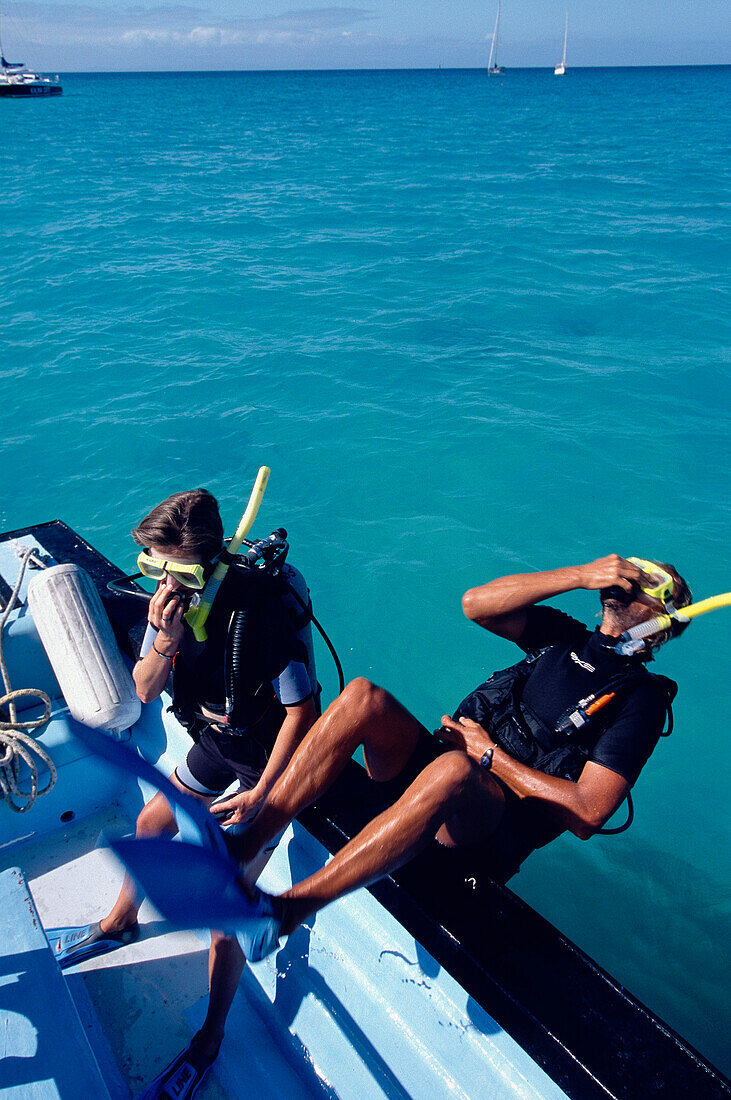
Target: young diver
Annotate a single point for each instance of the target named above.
(554, 743)
(247, 694)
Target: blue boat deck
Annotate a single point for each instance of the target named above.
(350, 1007)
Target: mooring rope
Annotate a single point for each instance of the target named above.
(15, 744)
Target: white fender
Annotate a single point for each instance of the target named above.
(78, 638)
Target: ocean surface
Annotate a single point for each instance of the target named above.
(475, 326)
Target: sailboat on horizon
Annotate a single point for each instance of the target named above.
(492, 66)
(561, 67)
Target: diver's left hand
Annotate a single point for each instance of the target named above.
(467, 735)
(238, 808)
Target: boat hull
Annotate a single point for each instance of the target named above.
(26, 91)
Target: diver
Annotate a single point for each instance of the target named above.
(245, 688)
(553, 743)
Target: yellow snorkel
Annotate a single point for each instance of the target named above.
(198, 612)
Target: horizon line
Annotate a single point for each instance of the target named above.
(400, 68)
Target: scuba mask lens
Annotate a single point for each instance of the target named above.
(661, 585)
(150, 567)
(189, 576)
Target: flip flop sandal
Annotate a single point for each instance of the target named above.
(74, 945)
(180, 1080)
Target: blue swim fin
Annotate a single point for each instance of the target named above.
(193, 885)
(195, 888)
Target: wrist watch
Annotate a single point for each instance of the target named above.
(486, 758)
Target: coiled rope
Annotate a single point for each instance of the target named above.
(15, 743)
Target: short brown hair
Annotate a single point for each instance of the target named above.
(189, 521)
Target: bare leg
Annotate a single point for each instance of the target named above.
(226, 964)
(452, 798)
(362, 715)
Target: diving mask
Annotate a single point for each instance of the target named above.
(189, 574)
(661, 585)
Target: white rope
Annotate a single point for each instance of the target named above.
(15, 744)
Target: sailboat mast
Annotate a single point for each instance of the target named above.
(565, 33)
(493, 47)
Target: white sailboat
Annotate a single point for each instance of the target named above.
(492, 66)
(561, 68)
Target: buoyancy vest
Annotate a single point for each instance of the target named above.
(498, 706)
(252, 637)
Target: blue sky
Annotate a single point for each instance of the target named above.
(277, 34)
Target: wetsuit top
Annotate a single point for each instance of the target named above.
(297, 681)
(579, 665)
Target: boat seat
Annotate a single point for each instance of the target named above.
(44, 1052)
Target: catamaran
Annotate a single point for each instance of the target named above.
(17, 80)
(561, 67)
(492, 66)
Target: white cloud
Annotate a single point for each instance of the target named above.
(178, 24)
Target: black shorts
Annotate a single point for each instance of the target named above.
(523, 826)
(217, 759)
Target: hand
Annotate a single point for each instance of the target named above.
(466, 735)
(166, 614)
(610, 572)
(239, 808)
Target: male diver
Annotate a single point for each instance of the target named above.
(247, 695)
(553, 743)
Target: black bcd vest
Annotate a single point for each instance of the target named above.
(497, 705)
(252, 637)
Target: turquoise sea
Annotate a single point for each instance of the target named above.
(475, 326)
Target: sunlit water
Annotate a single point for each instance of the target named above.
(474, 325)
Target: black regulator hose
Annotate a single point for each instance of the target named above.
(323, 635)
(125, 586)
(235, 657)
